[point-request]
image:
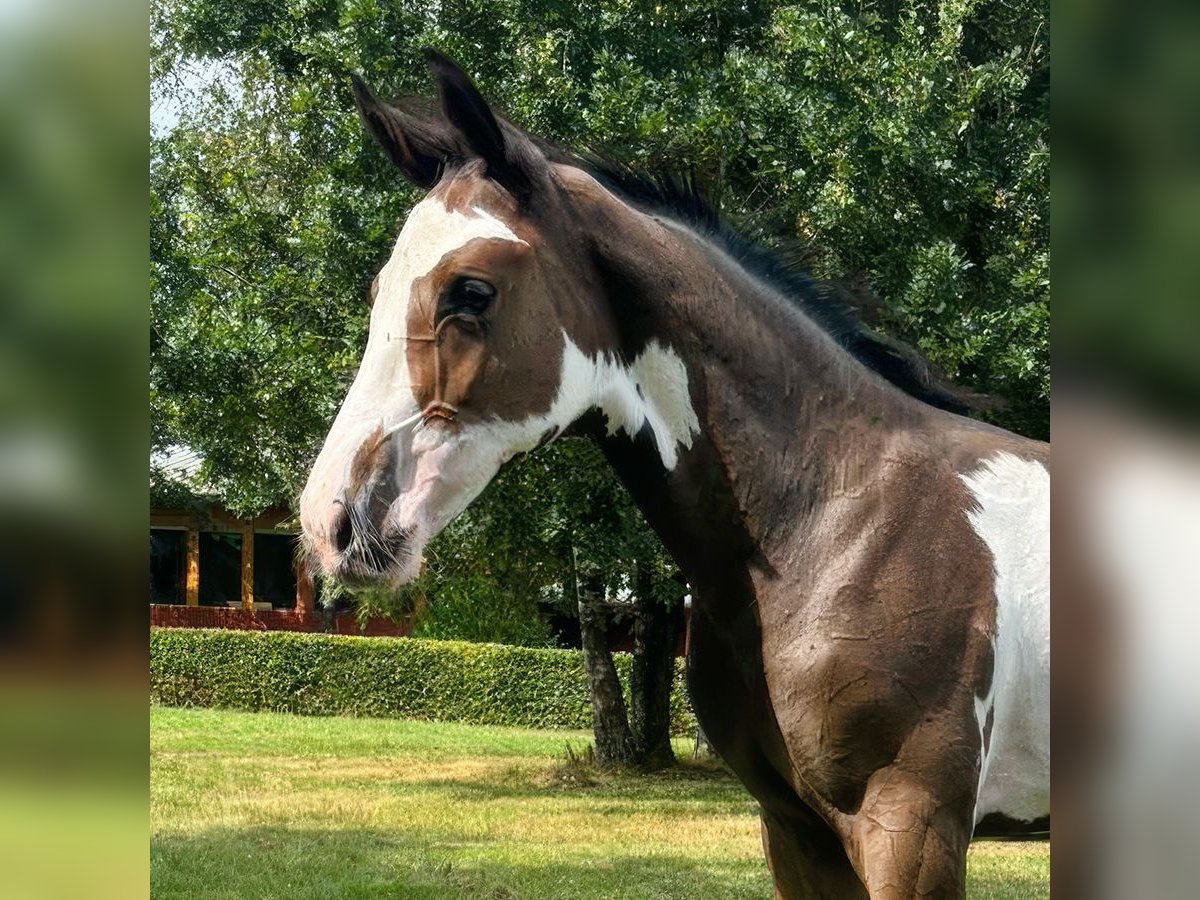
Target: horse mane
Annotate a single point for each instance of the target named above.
(836, 307)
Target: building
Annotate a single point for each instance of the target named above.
(210, 568)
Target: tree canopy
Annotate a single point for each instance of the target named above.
(900, 145)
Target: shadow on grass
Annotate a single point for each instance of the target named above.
(659, 789)
(278, 862)
(269, 862)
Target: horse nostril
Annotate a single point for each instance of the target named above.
(343, 531)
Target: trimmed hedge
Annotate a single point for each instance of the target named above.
(409, 678)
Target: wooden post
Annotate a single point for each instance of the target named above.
(306, 589)
(192, 586)
(248, 567)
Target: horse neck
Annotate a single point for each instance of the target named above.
(787, 418)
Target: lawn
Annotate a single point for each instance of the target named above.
(256, 805)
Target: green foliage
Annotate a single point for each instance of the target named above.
(312, 674)
(472, 607)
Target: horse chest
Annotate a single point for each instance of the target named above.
(732, 701)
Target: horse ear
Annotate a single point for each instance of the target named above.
(465, 109)
(415, 146)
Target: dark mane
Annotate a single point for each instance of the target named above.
(836, 307)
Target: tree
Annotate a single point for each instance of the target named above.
(652, 673)
(903, 144)
(614, 743)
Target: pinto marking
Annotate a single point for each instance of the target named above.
(431, 232)
(653, 391)
(1013, 519)
(471, 458)
(384, 382)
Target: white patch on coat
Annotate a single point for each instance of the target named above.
(983, 707)
(382, 392)
(450, 469)
(652, 390)
(1013, 519)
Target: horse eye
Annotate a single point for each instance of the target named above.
(469, 295)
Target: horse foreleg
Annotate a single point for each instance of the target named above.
(806, 858)
(909, 840)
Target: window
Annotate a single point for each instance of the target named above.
(274, 572)
(220, 568)
(168, 565)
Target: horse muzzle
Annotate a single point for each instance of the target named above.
(355, 536)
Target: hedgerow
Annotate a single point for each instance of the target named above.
(410, 678)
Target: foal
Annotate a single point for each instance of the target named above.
(870, 639)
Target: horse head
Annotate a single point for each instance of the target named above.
(488, 334)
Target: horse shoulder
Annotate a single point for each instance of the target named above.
(891, 614)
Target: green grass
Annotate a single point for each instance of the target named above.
(250, 805)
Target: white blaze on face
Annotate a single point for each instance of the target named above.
(382, 392)
(383, 384)
(1013, 519)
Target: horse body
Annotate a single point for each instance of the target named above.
(846, 547)
(870, 631)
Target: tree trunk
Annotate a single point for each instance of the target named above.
(702, 746)
(610, 723)
(651, 678)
